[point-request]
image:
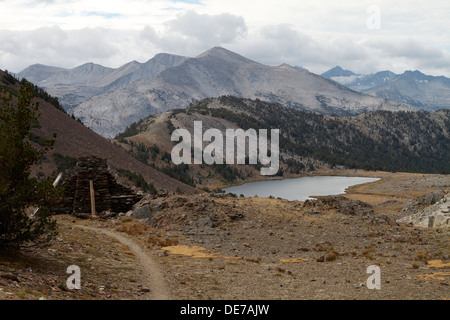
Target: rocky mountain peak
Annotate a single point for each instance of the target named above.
(337, 72)
(166, 57)
(223, 54)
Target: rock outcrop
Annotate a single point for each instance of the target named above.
(192, 211)
(435, 215)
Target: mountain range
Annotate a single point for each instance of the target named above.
(77, 85)
(412, 87)
(108, 100)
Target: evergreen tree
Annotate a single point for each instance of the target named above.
(20, 193)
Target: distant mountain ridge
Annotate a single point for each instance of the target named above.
(337, 72)
(79, 84)
(411, 87)
(108, 104)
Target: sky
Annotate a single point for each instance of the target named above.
(361, 36)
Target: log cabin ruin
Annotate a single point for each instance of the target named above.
(108, 194)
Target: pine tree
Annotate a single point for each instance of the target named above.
(19, 191)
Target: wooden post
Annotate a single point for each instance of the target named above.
(57, 180)
(91, 186)
(55, 183)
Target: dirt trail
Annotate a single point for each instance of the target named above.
(151, 276)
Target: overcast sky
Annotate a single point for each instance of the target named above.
(363, 36)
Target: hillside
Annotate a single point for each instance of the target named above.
(380, 140)
(75, 140)
(174, 82)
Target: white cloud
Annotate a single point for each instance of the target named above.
(191, 33)
(214, 29)
(314, 34)
(55, 46)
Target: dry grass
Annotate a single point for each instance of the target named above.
(131, 227)
(194, 252)
(441, 276)
(295, 260)
(437, 264)
(368, 253)
(372, 199)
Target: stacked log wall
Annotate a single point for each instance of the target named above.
(109, 195)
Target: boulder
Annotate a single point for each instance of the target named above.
(418, 203)
(143, 212)
(436, 215)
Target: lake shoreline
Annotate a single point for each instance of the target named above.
(321, 172)
(300, 188)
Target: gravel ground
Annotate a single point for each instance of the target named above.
(210, 246)
(322, 250)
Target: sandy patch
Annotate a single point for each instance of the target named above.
(434, 276)
(438, 264)
(296, 260)
(194, 252)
